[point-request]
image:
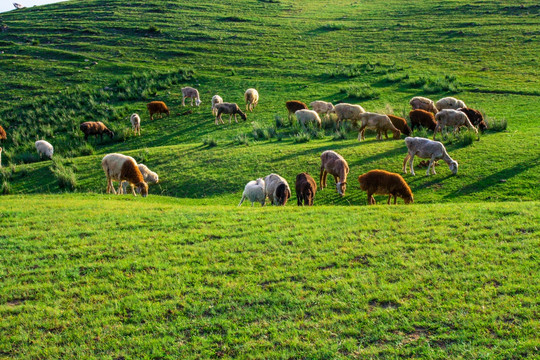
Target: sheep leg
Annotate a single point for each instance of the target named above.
(405, 162)
(411, 164)
(241, 200)
(395, 199)
(133, 190)
(386, 134)
(191, 101)
(235, 119)
(183, 101)
(431, 164)
(298, 200)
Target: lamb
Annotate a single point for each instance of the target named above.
(277, 189)
(252, 99)
(3, 135)
(385, 183)
(322, 107)
(451, 117)
(419, 102)
(427, 149)
(136, 123)
(192, 93)
(293, 106)
(157, 107)
(121, 168)
(400, 124)
(254, 192)
(347, 112)
(216, 99)
(378, 122)
(305, 116)
(306, 187)
(475, 117)
(334, 164)
(44, 148)
(95, 128)
(149, 176)
(449, 103)
(229, 108)
(422, 118)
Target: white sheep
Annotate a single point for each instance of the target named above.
(334, 164)
(451, 117)
(189, 92)
(121, 168)
(308, 116)
(254, 192)
(277, 189)
(346, 111)
(216, 99)
(252, 99)
(44, 148)
(449, 103)
(427, 149)
(423, 103)
(322, 107)
(136, 123)
(149, 177)
(379, 122)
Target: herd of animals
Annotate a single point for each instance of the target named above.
(447, 112)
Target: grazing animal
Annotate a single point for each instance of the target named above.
(149, 177)
(157, 107)
(95, 128)
(347, 112)
(427, 149)
(379, 122)
(231, 109)
(419, 102)
(334, 164)
(277, 189)
(293, 106)
(322, 107)
(385, 183)
(3, 135)
(305, 116)
(400, 124)
(192, 93)
(475, 118)
(252, 99)
(121, 168)
(449, 103)
(422, 118)
(136, 124)
(216, 99)
(451, 117)
(44, 148)
(254, 192)
(306, 187)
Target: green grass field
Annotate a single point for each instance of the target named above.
(183, 273)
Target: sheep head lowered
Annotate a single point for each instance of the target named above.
(242, 115)
(109, 132)
(453, 165)
(198, 102)
(142, 188)
(341, 187)
(282, 194)
(397, 134)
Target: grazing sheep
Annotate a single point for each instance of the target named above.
(216, 99)
(379, 122)
(400, 124)
(44, 148)
(122, 168)
(422, 118)
(136, 123)
(252, 99)
(305, 116)
(306, 187)
(451, 117)
(419, 102)
(322, 107)
(157, 107)
(347, 112)
(277, 189)
(427, 149)
(449, 103)
(149, 176)
(293, 106)
(334, 164)
(385, 183)
(475, 118)
(95, 128)
(192, 93)
(231, 109)
(254, 192)
(3, 135)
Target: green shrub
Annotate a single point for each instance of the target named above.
(260, 133)
(302, 137)
(494, 124)
(340, 134)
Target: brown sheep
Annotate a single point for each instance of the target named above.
(95, 128)
(400, 124)
(231, 109)
(306, 187)
(334, 164)
(422, 118)
(157, 107)
(121, 168)
(475, 117)
(3, 135)
(383, 182)
(293, 106)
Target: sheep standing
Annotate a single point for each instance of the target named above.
(475, 117)
(3, 135)
(277, 189)
(400, 124)
(231, 109)
(381, 123)
(149, 177)
(95, 128)
(451, 117)
(449, 103)
(192, 93)
(293, 106)
(305, 116)
(157, 107)
(121, 168)
(44, 148)
(347, 112)
(322, 107)
(419, 102)
(385, 183)
(427, 149)
(254, 192)
(136, 123)
(306, 187)
(422, 118)
(216, 99)
(252, 99)
(334, 164)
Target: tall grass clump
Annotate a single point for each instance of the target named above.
(494, 124)
(280, 123)
(241, 139)
(210, 141)
(340, 134)
(360, 92)
(431, 85)
(302, 137)
(5, 189)
(64, 174)
(259, 132)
